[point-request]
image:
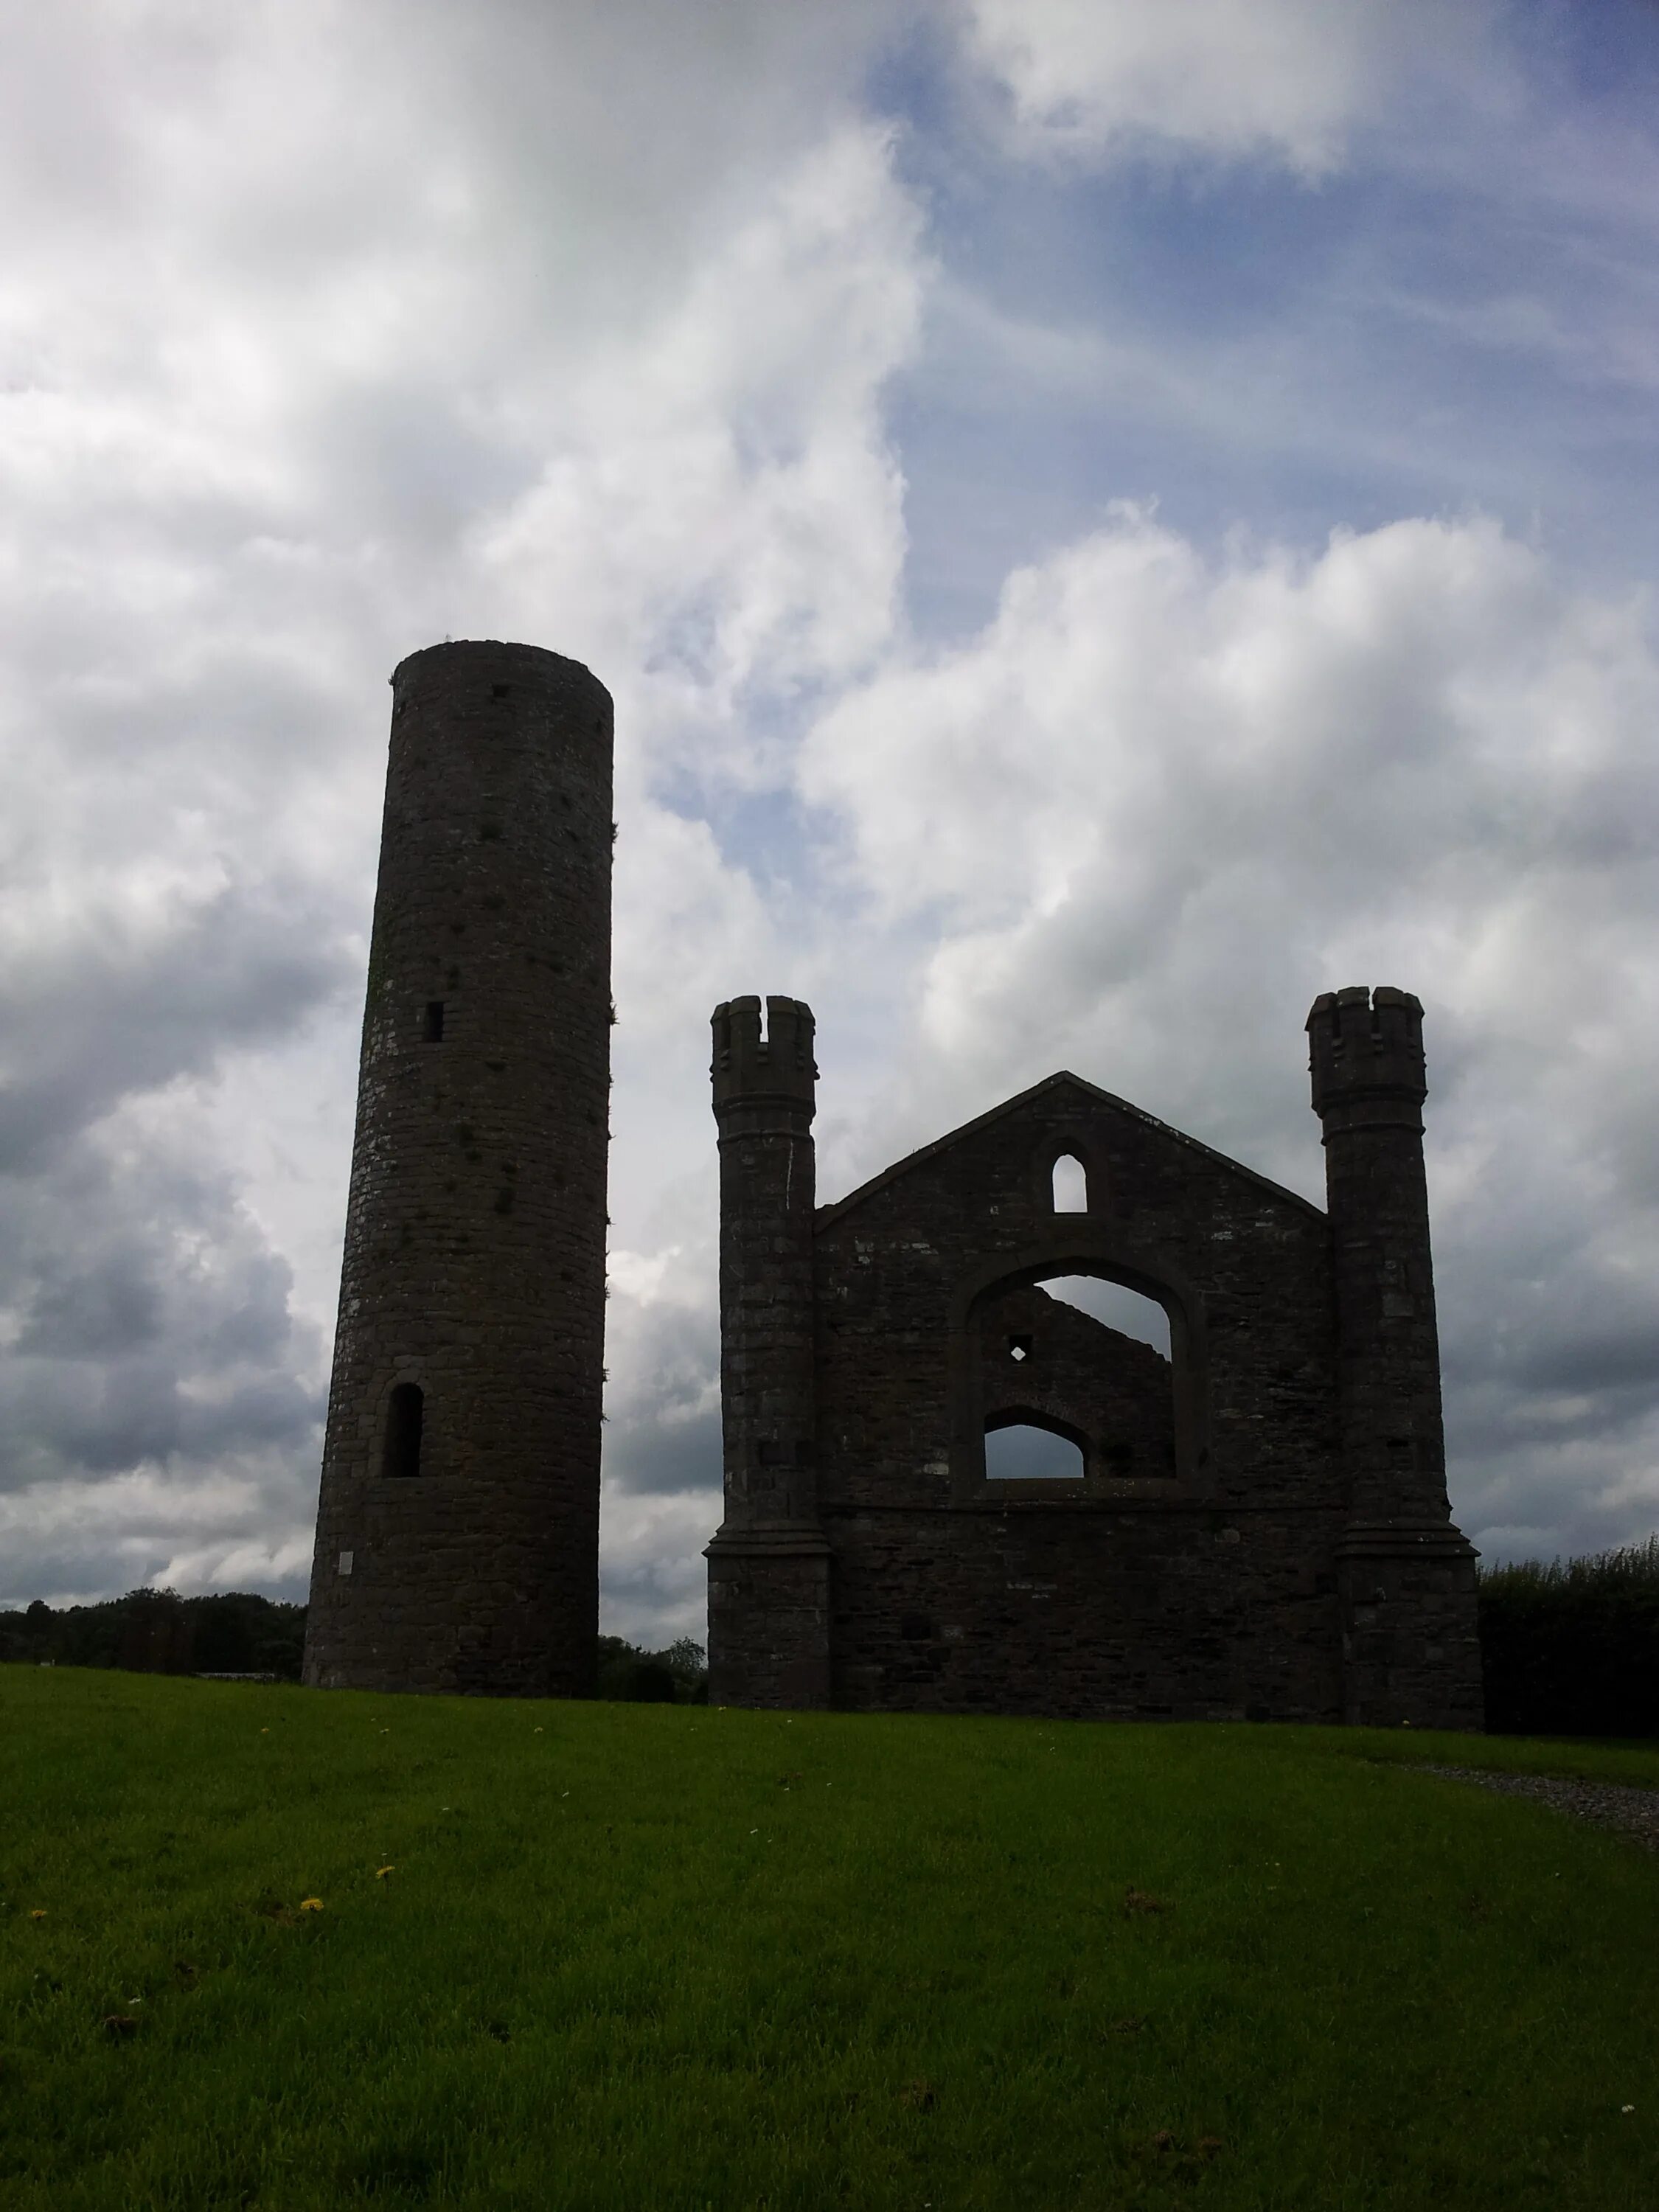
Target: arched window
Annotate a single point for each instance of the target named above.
(1022, 1451)
(1071, 1185)
(1076, 1383)
(403, 1415)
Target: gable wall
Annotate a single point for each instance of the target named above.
(1210, 1595)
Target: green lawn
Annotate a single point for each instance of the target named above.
(646, 1956)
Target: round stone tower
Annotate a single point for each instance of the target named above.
(457, 1526)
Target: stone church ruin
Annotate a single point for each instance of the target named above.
(1254, 1525)
(1256, 1528)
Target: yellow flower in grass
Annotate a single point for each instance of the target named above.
(311, 1905)
(39, 1913)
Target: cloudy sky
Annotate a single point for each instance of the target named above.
(1103, 519)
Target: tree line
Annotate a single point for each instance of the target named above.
(156, 1631)
(1570, 1648)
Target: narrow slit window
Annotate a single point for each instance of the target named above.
(403, 1419)
(1071, 1185)
(434, 1021)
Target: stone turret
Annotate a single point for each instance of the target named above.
(769, 1564)
(1406, 1574)
(458, 1526)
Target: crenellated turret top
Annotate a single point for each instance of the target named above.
(779, 1065)
(1366, 1045)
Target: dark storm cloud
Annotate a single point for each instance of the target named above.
(148, 1320)
(662, 1410)
(150, 1323)
(85, 1026)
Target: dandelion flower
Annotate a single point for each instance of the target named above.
(311, 1905)
(381, 1872)
(39, 1913)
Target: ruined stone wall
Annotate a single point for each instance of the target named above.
(458, 1551)
(1206, 1592)
(1044, 1361)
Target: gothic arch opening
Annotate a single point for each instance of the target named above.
(1024, 1445)
(1078, 1377)
(1130, 1312)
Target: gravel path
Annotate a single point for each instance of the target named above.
(1609, 1804)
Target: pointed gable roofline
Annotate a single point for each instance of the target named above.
(827, 1214)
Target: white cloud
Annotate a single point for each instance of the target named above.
(1159, 804)
(331, 329)
(1286, 80)
(716, 510)
(653, 1580)
(74, 1542)
(334, 331)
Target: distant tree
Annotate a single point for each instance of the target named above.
(239, 1633)
(157, 1632)
(650, 1683)
(677, 1675)
(223, 1637)
(685, 1660)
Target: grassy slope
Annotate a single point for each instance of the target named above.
(671, 1957)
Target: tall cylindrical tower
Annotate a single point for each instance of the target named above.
(457, 1526)
(1405, 1573)
(768, 1567)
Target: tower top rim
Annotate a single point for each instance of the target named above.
(498, 654)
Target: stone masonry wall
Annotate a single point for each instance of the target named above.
(474, 1265)
(1406, 1575)
(1045, 1360)
(768, 1642)
(1208, 1594)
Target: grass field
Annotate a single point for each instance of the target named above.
(650, 1956)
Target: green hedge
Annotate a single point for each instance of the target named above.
(1572, 1649)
